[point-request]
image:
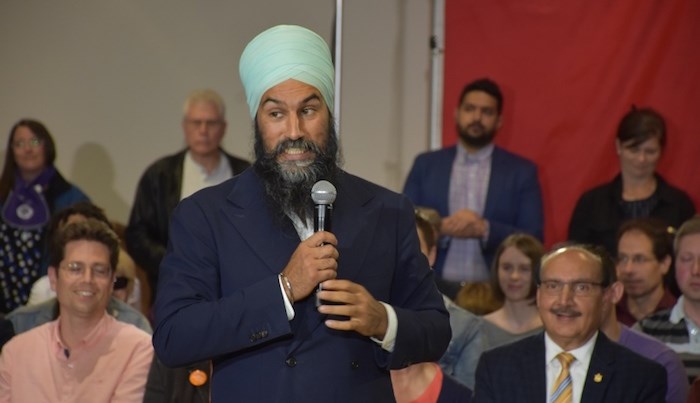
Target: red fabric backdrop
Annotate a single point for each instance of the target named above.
(569, 71)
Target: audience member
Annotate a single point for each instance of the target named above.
(513, 282)
(644, 257)
(31, 189)
(238, 282)
(43, 306)
(679, 327)
(483, 192)
(571, 361)
(640, 343)
(172, 178)
(85, 355)
(6, 331)
(637, 191)
(428, 382)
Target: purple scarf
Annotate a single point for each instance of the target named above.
(25, 207)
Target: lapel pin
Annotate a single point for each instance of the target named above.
(598, 378)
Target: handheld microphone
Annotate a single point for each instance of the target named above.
(323, 194)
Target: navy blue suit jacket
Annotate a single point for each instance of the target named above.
(219, 297)
(513, 200)
(516, 373)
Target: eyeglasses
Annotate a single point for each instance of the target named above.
(31, 143)
(208, 124)
(579, 288)
(77, 270)
(635, 259)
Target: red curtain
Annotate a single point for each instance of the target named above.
(569, 71)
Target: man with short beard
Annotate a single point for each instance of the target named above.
(240, 281)
(483, 192)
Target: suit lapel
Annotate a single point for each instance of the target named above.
(537, 384)
(600, 371)
(497, 171)
(250, 215)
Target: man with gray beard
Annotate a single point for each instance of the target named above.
(238, 284)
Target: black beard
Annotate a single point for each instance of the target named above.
(476, 142)
(290, 191)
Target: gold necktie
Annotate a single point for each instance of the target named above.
(563, 391)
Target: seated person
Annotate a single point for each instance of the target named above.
(43, 306)
(644, 257)
(679, 326)
(85, 355)
(513, 282)
(641, 343)
(426, 382)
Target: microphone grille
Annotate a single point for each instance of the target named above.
(323, 192)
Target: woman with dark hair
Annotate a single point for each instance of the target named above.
(513, 282)
(31, 189)
(637, 191)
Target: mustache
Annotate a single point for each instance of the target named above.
(565, 311)
(476, 125)
(301, 144)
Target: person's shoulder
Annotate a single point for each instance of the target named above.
(167, 161)
(29, 339)
(628, 358)
(668, 191)
(511, 157)
(129, 333)
(237, 163)
(126, 313)
(437, 154)
(28, 317)
(644, 344)
(515, 349)
(656, 320)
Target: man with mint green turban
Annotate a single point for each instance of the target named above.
(239, 281)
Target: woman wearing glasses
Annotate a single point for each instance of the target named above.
(31, 189)
(513, 282)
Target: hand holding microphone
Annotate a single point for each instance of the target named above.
(316, 259)
(323, 194)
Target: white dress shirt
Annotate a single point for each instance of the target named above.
(578, 369)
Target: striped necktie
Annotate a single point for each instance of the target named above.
(563, 391)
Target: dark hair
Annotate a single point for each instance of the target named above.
(528, 246)
(485, 85)
(653, 228)
(639, 125)
(7, 178)
(85, 209)
(88, 230)
(595, 252)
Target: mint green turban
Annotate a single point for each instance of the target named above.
(286, 52)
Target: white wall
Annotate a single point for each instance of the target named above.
(109, 79)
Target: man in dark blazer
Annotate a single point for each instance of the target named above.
(238, 284)
(483, 192)
(171, 178)
(574, 283)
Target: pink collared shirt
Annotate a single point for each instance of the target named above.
(110, 365)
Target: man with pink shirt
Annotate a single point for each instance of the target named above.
(86, 354)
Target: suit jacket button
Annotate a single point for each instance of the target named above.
(355, 365)
(263, 334)
(291, 362)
